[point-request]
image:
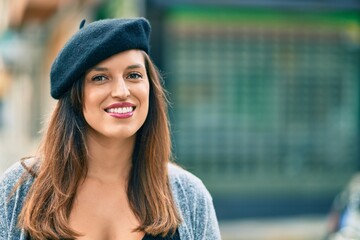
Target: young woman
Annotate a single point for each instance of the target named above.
(103, 170)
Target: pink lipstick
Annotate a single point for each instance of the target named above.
(121, 110)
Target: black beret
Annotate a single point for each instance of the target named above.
(94, 43)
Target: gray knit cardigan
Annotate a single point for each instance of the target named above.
(192, 199)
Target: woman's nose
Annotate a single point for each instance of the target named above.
(120, 89)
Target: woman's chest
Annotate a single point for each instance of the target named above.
(103, 214)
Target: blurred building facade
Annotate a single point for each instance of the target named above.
(265, 93)
(265, 99)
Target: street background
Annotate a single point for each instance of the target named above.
(265, 98)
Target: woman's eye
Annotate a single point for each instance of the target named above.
(99, 78)
(134, 75)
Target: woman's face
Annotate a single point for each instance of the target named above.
(116, 95)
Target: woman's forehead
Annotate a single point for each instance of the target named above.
(127, 59)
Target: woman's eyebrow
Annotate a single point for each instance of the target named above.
(97, 68)
(134, 66)
(104, 69)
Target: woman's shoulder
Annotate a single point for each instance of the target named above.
(195, 205)
(179, 174)
(15, 183)
(17, 171)
(185, 182)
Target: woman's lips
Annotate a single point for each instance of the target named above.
(121, 110)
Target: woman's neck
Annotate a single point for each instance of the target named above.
(109, 159)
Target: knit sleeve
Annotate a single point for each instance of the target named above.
(7, 182)
(11, 200)
(3, 217)
(205, 222)
(196, 206)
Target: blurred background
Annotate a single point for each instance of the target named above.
(265, 98)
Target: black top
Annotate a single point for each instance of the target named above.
(176, 236)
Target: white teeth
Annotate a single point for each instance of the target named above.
(120, 110)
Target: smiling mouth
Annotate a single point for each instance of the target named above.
(120, 110)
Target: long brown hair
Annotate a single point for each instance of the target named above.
(63, 165)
